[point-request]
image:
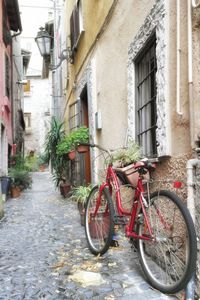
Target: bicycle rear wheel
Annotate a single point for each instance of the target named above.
(99, 225)
(169, 261)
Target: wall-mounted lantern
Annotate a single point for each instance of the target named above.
(43, 41)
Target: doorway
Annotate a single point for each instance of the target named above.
(85, 165)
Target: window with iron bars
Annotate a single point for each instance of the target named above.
(146, 115)
(74, 123)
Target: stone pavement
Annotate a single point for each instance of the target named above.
(44, 255)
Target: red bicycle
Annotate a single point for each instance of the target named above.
(159, 223)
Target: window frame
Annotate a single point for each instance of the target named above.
(146, 96)
(74, 115)
(76, 25)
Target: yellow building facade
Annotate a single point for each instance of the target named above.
(92, 17)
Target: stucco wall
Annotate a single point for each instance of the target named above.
(110, 58)
(179, 126)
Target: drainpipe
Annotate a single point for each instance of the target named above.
(191, 166)
(190, 75)
(178, 62)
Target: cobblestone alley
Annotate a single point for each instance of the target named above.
(43, 253)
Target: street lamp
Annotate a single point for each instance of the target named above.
(43, 41)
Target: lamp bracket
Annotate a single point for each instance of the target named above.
(66, 54)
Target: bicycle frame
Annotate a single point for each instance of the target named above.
(138, 204)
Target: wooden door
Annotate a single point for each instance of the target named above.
(86, 165)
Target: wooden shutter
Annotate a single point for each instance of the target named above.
(74, 27)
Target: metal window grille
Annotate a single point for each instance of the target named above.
(74, 122)
(74, 115)
(146, 117)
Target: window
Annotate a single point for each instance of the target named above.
(7, 77)
(76, 25)
(146, 117)
(27, 119)
(74, 115)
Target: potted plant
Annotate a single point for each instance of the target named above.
(74, 140)
(127, 155)
(80, 194)
(31, 162)
(41, 162)
(53, 137)
(59, 163)
(20, 180)
(124, 160)
(65, 187)
(80, 137)
(66, 147)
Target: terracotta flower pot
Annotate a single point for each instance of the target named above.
(64, 189)
(41, 168)
(72, 154)
(15, 191)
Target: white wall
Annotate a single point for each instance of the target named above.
(37, 105)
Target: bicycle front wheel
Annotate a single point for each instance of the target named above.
(99, 225)
(169, 261)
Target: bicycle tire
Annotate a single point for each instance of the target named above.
(99, 228)
(169, 261)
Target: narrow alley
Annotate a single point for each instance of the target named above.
(44, 253)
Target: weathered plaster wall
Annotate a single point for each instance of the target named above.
(179, 128)
(111, 70)
(195, 104)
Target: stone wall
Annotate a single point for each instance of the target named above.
(170, 170)
(175, 168)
